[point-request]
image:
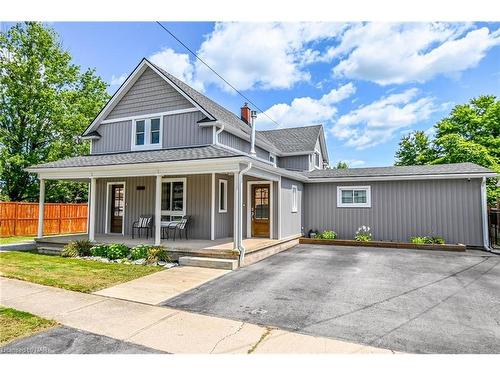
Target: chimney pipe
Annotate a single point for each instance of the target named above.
(245, 113)
(253, 114)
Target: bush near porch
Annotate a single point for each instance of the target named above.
(68, 273)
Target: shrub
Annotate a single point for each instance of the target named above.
(117, 251)
(99, 251)
(139, 252)
(363, 234)
(427, 240)
(328, 235)
(157, 254)
(70, 250)
(77, 248)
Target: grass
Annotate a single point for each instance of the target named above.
(16, 324)
(15, 239)
(73, 274)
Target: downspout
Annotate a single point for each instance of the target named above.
(484, 214)
(218, 132)
(239, 240)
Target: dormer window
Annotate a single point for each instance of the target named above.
(317, 160)
(272, 159)
(147, 133)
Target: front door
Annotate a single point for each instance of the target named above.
(260, 211)
(117, 206)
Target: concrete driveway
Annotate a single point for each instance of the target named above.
(410, 301)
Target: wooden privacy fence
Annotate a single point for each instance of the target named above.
(21, 219)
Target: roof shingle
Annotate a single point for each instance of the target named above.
(300, 139)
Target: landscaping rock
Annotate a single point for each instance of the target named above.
(162, 263)
(140, 261)
(170, 265)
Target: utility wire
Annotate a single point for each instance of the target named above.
(217, 74)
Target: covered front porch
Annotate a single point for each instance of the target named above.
(232, 210)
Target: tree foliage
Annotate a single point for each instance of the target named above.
(46, 102)
(470, 133)
(342, 165)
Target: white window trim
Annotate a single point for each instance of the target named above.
(317, 156)
(108, 207)
(271, 155)
(249, 206)
(184, 195)
(223, 182)
(147, 134)
(368, 203)
(295, 199)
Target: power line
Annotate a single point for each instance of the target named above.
(217, 74)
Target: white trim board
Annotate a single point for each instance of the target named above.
(222, 182)
(150, 115)
(108, 188)
(249, 204)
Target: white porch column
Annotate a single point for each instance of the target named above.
(236, 210)
(484, 214)
(158, 211)
(41, 206)
(92, 200)
(212, 212)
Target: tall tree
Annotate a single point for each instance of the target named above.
(414, 149)
(470, 133)
(342, 165)
(45, 103)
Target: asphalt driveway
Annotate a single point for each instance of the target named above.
(404, 300)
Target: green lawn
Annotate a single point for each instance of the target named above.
(16, 324)
(16, 239)
(73, 274)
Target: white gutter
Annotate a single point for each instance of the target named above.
(218, 132)
(484, 214)
(239, 238)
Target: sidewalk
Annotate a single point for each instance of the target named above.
(162, 328)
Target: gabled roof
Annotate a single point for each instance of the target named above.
(413, 170)
(297, 140)
(139, 157)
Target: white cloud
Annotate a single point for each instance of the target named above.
(262, 55)
(376, 122)
(389, 53)
(117, 81)
(305, 110)
(177, 64)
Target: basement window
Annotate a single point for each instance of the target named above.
(353, 196)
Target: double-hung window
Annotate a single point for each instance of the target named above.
(173, 198)
(222, 196)
(353, 196)
(317, 159)
(147, 133)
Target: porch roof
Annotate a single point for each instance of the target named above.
(139, 157)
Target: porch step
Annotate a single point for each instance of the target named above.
(219, 263)
(49, 250)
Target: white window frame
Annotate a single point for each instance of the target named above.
(368, 203)
(295, 198)
(147, 134)
(224, 198)
(184, 195)
(317, 157)
(107, 224)
(273, 157)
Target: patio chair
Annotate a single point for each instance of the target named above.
(179, 226)
(145, 223)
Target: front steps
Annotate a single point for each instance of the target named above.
(49, 247)
(219, 263)
(256, 255)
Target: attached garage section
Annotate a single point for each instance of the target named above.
(398, 210)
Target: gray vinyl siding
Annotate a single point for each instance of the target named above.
(149, 94)
(142, 202)
(401, 209)
(183, 130)
(294, 163)
(115, 137)
(291, 222)
(224, 223)
(240, 144)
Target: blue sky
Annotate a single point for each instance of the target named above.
(367, 83)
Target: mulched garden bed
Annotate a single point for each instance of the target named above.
(387, 244)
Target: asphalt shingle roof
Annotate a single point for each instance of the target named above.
(301, 139)
(138, 157)
(413, 170)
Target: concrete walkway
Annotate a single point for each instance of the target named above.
(162, 328)
(160, 286)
